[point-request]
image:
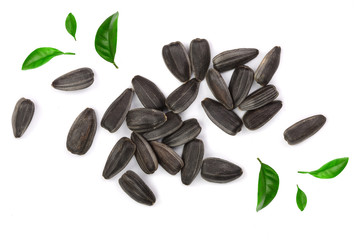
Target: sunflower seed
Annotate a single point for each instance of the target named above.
(116, 112)
(192, 155)
(167, 157)
(144, 119)
(172, 124)
(226, 120)
(200, 57)
(230, 59)
(257, 118)
(119, 157)
(136, 188)
(22, 116)
(144, 154)
(182, 97)
(189, 130)
(268, 66)
(75, 80)
(219, 171)
(177, 60)
(304, 129)
(148, 93)
(240, 84)
(82, 132)
(259, 98)
(219, 88)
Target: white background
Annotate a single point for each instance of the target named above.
(48, 193)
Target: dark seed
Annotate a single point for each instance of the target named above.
(144, 119)
(189, 130)
(219, 88)
(116, 112)
(144, 154)
(220, 171)
(240, 84)
(192, 155)
(230, 59)
(148, 93)
(226, 120)
(136, 188)
(22, 116)
(304, 129)
(182, 97)
(167, 157)
(259, 98)
(257, 118)
(177, 60)
(119, 157)
(200, 57)
(75, 80)
(172, 124)
(82, 132)
(268, 66)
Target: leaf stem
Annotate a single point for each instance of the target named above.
(302, 172)
(115, 65)
(69, 53)
(259, 160)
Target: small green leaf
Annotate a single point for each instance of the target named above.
(330, 169)
(40, 56)
(106, 39)
(301, 199)
(267, 187)
(70, 24)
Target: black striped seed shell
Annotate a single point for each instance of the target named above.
(192, 156)
(220, 171)
(75, 80)
(167, 157)
(177, 60)
(219, 89)
(259, 98)
(257, 118)
(116, 113)
(148, 93)
(232, 58)
(200, 57)
(172, 124)
(304, 129)
(22, 116)
(119, 157)
(144, 154)
(225, 119)
(268, 66)
(145, 119)
(240, 84)
(189, 130)
(136, 188)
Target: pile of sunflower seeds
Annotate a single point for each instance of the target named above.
(158, 128)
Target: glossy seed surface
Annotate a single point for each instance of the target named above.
(192, 156)
(257, 118)
(240, 84)
(177, 60)
(220, 171)
(144, 119)
(200, 57)
(219, 89)
(167, 157)
(172, 124)
(189, 130)
(136, 188)
(226, 120)
(148, 93)
(232, 58)
(182, 97)
(117, 111)
(144, 154)
(304, 129)
(268, 66)
(119, 157)
(75, 80)
(82, 132)
(259, 98)
(22, 116)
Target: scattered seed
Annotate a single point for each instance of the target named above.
(144, 154)
(172, 124)
(177, 60)
(192, 155)
(220, 171)
(22, 116)
(167, 157)
(259, 98)
(189, 130)
(182, 97)
(148, 93)
(200, 57)
(257, 118)
(268, 66)
(75, 80)
(240, 84)
(219, 88)
(230, 59)
(144, 119)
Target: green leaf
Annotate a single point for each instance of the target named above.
(70, 24)
(301, 199)
(106, 38)
(40, 56)
(330, 169)
(267, 187)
